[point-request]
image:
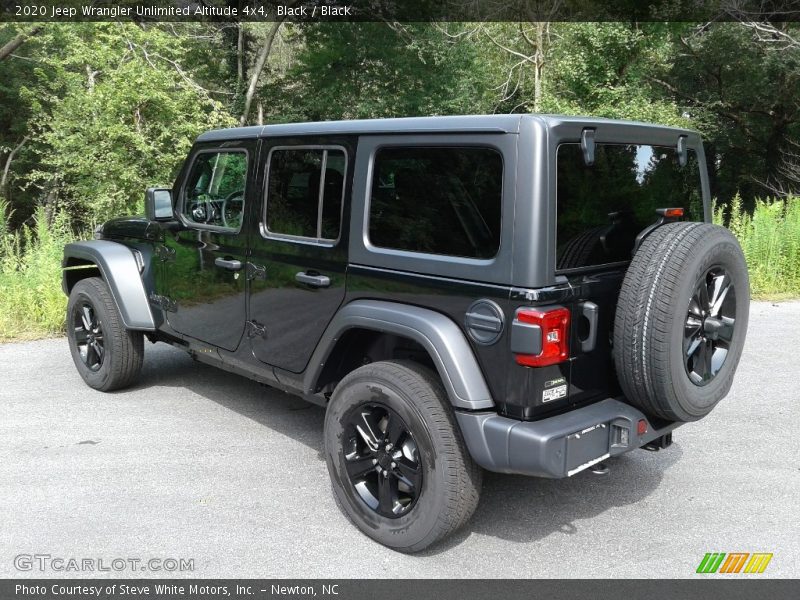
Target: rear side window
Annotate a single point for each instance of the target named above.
(437, 200)
(304, 192)
(603, 207)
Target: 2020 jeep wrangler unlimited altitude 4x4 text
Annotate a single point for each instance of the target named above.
(520, 293)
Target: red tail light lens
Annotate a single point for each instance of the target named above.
(670, 213)
(554, 325)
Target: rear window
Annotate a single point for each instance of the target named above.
(602, 208)
(437, 200)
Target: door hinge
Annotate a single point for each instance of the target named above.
(256, 329)
(165, 253)
(256, 272)
(163, 302)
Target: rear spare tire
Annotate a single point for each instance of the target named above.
(681, 320)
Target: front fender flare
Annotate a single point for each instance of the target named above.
(118, 267)
(439, 335)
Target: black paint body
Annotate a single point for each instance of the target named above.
(261, 322)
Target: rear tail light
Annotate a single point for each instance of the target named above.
(553, 325)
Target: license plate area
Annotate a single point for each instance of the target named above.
(587, 447)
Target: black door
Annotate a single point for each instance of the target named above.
(205, 266)
(300, 252)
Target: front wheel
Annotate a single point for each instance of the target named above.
(399, 467)
(107, 355)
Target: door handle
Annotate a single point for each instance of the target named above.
(231, 265)
(319, 281)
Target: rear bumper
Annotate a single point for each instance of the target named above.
(558, 446)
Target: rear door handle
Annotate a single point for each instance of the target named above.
(320, 281)
(231, 265)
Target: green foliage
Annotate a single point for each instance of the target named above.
(367, 70)
(770, 239)
(741, 89)
(602, 69)
(121, 115)
(31, 301)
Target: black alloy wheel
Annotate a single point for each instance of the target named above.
(399, 467)
(89, 335)
(107, 355)
(382, 460)
(709, 326)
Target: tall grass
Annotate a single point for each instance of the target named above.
(770, 239)
(31, 301)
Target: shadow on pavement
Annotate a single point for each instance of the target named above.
(526, 509)
(515, 508)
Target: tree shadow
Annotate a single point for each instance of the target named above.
(515, 508)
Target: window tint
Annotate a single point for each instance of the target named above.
(437, 200)
(603, 207)
(214, 191)
(304, 192)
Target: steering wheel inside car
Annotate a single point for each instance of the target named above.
(231, 210)
(204, 212)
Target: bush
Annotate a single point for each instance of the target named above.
(31, 301)
(770, 239)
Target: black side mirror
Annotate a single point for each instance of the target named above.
(158, 204)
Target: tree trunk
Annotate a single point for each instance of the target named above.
(240, 58)
(15, 43)
(257, 69)
(91, 78)
(50, 203)
(538, 65)
(773, 150)
(7, 166)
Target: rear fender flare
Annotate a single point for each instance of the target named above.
(439, 335)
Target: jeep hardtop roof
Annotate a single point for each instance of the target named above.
(465, 123)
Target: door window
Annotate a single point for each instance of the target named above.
(304, 193)
(214, 190)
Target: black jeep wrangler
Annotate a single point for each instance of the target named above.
(519, 293)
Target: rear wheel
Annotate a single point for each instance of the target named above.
(681, 320)
(107, 355)
(399, 467)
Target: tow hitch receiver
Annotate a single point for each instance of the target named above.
(665, 441)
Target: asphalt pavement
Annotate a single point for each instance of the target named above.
(200, 465)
